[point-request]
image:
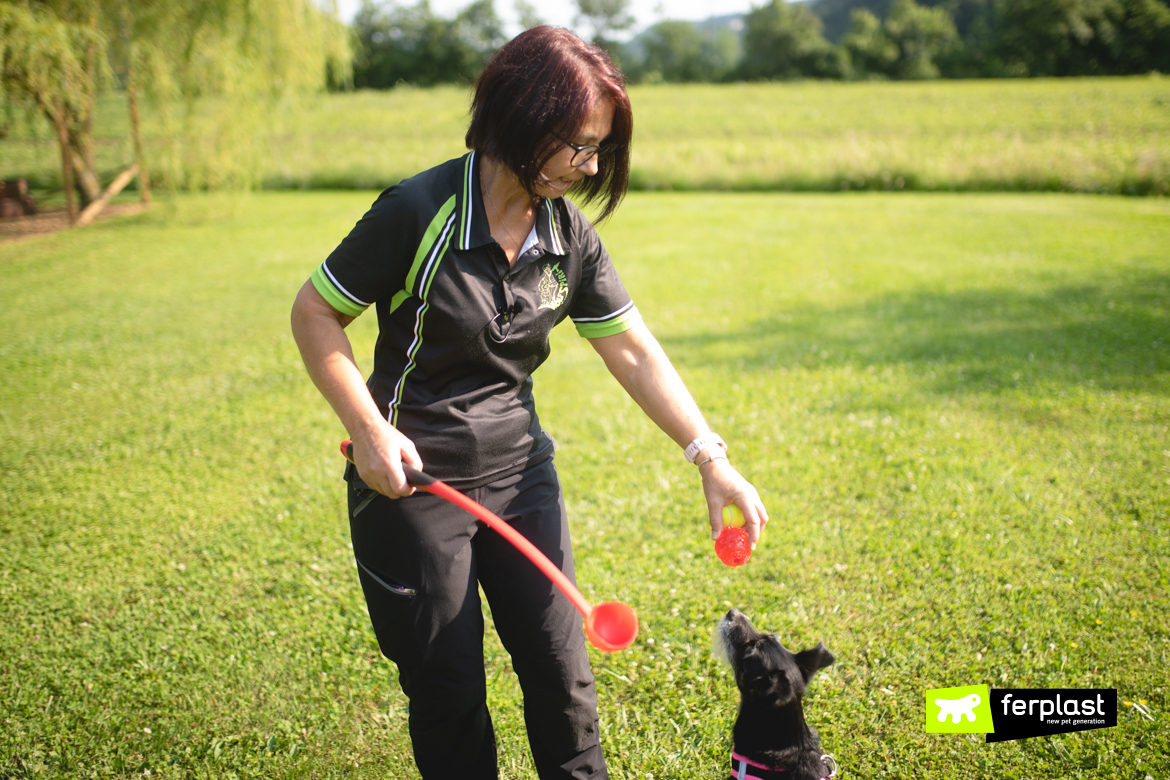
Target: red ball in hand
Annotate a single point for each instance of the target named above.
(733, 547)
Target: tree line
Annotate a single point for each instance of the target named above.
(823, 39)
(212, 71)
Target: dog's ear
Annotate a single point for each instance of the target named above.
(810, 661)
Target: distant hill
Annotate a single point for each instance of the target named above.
(733, 22)
(635, 47)
(835, 13)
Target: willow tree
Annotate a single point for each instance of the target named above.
(43, 62)
(212, 70)
(217, 69)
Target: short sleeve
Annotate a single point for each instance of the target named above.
(373, 260)
(602, 307)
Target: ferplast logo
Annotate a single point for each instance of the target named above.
(962, 710)
(1019, 713)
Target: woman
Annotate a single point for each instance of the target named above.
(470, 265)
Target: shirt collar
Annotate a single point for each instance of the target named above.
(473, 223)
(552, 240)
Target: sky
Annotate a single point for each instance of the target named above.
(561, 12)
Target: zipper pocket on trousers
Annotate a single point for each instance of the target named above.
(396, 589)
(366, 497)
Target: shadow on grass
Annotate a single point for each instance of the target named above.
(1112, 336)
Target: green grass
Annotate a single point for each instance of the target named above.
(1082, 135)
(955, 406)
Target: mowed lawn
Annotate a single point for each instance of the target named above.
(956, 408)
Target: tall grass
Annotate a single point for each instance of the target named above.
(955, 406)
(1083, 135)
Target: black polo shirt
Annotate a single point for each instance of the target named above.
(460, 332)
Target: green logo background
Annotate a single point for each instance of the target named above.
(982, 711)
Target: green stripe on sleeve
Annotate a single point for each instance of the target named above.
(332, 296)
(428, 241)
(597, 330)
(397, 300)
(424, 248)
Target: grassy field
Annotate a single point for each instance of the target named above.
(955, 406)
(1083, 135)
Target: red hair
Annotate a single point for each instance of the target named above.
(544, 83)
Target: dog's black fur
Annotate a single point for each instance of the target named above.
(770, 728)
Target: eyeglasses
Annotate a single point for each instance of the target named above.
(581, 153)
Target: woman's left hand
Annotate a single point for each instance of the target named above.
(637, 361)
(723, 485)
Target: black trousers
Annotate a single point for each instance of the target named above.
(419, 559)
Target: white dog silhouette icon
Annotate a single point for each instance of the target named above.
(958, 708)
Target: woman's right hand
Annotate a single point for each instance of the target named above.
(379, 452)
(378, 448)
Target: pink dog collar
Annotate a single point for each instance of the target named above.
(767, 773)
(744, 762)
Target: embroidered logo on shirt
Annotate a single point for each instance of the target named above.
(553, 287)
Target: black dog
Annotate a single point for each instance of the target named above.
(771, 739)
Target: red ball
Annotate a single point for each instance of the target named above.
(733, 547)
